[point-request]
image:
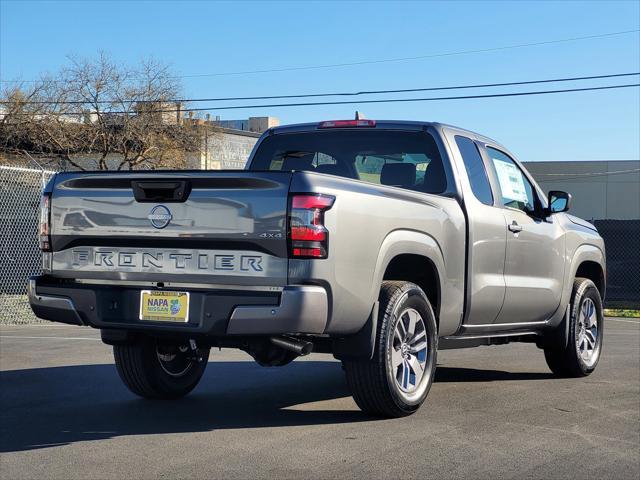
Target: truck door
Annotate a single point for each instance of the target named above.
(486, 237)
(534, 259)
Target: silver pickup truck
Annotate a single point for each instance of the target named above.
(379, 242)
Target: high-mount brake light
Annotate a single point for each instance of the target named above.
(44, 224)
(308, 237)
(347, 123)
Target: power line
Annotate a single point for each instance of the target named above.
(354, 102)
(406, 59)
(578, 176)
(387, 60)
(589, 174)
(333, 94)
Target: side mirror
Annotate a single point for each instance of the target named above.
(559, 201)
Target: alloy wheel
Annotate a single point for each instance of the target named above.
(409, 350)
(587, 332)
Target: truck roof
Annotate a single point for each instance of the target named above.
(385, 124)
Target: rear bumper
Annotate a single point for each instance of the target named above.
(296, 309)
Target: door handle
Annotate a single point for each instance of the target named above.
(514, 227)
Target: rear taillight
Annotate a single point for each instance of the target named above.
(44, 225)
(308, 237)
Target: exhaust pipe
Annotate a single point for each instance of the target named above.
(302, 348)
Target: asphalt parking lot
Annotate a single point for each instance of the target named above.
(493, 412)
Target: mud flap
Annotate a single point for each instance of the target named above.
(360, 345)
(559, 336)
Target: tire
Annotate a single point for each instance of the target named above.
(582, 352)
(384, 386)
(158, 370)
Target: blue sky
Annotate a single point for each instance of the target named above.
(212, 37)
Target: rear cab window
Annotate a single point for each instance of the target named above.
(405, 159)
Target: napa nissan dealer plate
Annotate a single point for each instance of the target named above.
(162, 306)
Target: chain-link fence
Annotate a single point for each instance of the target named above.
(20, 255)
(622, 241)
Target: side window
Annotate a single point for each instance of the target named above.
(475, 169)
(515, 188)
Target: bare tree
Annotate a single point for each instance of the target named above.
(97, 114)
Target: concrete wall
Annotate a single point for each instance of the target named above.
(223, 150)
(600, 190)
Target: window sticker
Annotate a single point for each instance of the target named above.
(511, 181)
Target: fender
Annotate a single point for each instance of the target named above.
(361, 345)
(400, 242)
(583, 253)
(451, 288)
(451, 285)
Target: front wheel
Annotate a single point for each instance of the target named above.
(154, 369)
(396, 381)
(586, 332)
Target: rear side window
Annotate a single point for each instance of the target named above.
(402, 159)
(475, 169)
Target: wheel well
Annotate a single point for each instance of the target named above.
(419, 270)
(592, 271)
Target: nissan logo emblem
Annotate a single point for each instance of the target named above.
(159, 216)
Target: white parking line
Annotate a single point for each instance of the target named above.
(54, 338)
(609, 319)
(48, 324)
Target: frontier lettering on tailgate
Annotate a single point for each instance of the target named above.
(169, 260)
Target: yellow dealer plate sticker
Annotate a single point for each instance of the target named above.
(162, 306)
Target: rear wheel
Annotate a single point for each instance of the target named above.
(586, 332)
(154, 369)
(396, 381)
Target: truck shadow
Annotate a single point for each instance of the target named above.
(46, 407)
(453, 374)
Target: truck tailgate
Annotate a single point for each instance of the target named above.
(138, 226)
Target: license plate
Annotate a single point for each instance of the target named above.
(161, 306)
